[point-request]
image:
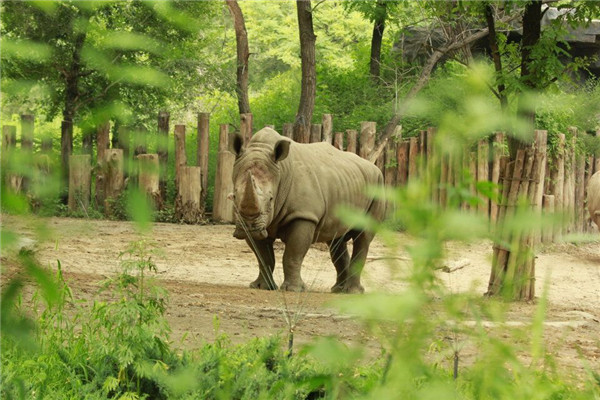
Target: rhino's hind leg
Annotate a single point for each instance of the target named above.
(263, 250)
(338, 250)
(360, 249)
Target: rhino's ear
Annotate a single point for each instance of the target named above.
(237, 145)
(281, 151)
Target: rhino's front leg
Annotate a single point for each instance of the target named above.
(298, 238)
(263, 250)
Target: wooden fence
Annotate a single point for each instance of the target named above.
(564, 177)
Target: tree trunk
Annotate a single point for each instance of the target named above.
(532, 20)
(309, 75)
(377, 38)
(241, 38)
(493, 43)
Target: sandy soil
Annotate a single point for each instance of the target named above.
(207, 273)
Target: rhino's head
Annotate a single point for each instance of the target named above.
(256, 178)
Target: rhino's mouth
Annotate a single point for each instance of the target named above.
(256, 228)
(257, 233)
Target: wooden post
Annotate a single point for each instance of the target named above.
(402, 162)
(548, 207)
(114, 177)
(423, 145)
(390, 165)
(140, 145)
(46, 146)
(580, 194)
(315, 133)
(413, 155)
(288, 130)
(149, 177)
(9, 141)
(430, 143)
(103, 142)
(187, 205)
(327, 123)
(444, 177)
(483, 173)
(367, 139)
(473, 172)
(27, 132)
(124, 139)
(162, 146)
(246, 127)
(180, 156)
(338, 141)
(9, 137)
(202, 153)
(351, 145)
(66, 148)
(222, 206)
(497, 152)
(80, 174)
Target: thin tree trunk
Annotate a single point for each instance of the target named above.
(377, 38)
(241, 38)
(309, 75)
(493, 42)
(532, 20)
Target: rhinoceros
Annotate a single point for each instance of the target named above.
(290, 191)
(593, 198)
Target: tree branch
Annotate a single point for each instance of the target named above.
(424, 78)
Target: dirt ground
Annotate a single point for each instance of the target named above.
(207, 273)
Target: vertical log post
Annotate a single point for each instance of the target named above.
(80, 176)
(497, 152)
(338, 141)
(66, 148)
(222, 206)
(246, 127)
(180, 155)
(27, 133)
(103, 141)
(9, 137)
(124, 139)
(413, 155)
(114, 177)
(149, 177)
(548, 207)
(162, 146)
(327, 123)
(202, 153)
(390, 166)
(315, 133)
(402, 162)
(367, 139)
(288, 130)
(472, 160)
(351, 145)
(9, 141)
(140, 141)
(483, 173)
(187, 205)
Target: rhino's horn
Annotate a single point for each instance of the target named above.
(249, 204)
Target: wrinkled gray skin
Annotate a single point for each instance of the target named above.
(290, 191)
(593, 198)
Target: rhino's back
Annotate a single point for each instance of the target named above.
(323, 178)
